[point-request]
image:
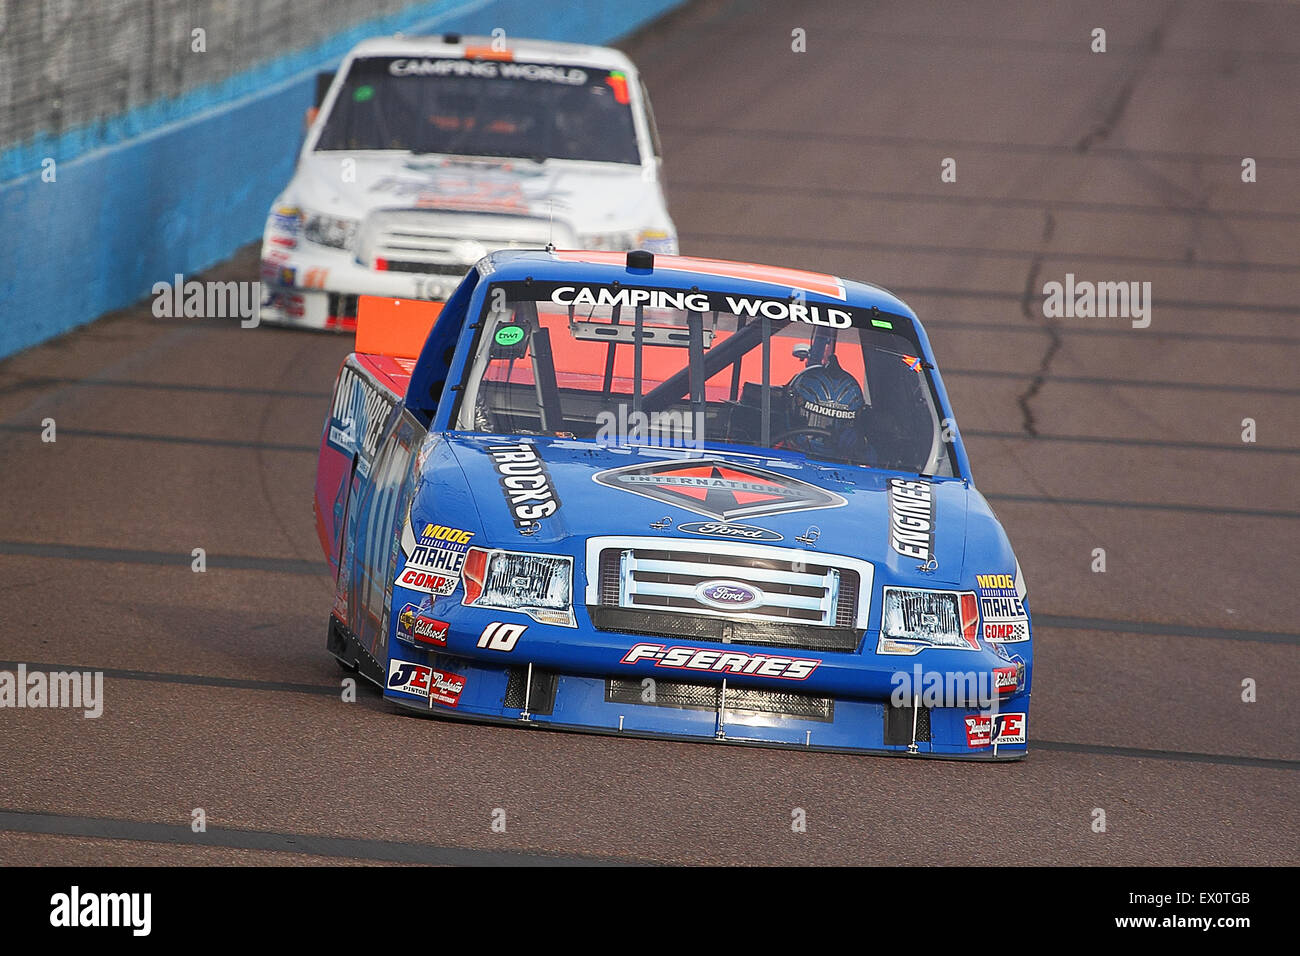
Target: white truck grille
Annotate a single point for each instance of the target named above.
(448, 243)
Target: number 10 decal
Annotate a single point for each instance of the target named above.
(501, 637)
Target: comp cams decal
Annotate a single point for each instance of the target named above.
(434, 557)
(1003, 617)
(911, 518)
(525, 482)
(722, 662)
(719, 489)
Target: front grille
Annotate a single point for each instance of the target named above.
(428, 268)
(723, 631)
(541, 696)
(442, 242)
(342, 306)
(791, 602)
(662, 693)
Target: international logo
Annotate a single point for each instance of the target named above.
(719, 489)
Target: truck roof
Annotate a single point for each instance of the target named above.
(480, 47)
(684, 271)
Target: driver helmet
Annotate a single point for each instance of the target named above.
(829, 399)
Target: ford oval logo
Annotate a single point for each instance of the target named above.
(728, 595)
(722, 529)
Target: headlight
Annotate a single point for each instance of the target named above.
(933, 618)
(539, 585)
(333, 231)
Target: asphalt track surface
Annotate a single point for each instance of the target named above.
(1084, 433)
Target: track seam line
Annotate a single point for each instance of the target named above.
(359, 848)
(236, 562)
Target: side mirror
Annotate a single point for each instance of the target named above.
(323, 81)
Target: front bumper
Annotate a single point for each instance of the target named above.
(314, 287)
(543, 687)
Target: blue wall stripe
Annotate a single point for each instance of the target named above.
(179, 184)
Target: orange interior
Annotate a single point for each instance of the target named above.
(388, 326)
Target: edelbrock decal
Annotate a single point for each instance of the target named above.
(718, 488)
(525, 482)
(416, 626)
(911, 518)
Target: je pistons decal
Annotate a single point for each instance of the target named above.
(718, 488)
(911, 518)
(526, 483)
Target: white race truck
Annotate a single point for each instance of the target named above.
(427, 153)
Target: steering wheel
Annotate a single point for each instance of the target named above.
(806, 430)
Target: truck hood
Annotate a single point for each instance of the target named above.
(591, 489)
(587, 197)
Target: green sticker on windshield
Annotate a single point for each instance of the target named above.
(882, 324)
(363, 93)
(509, 335)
